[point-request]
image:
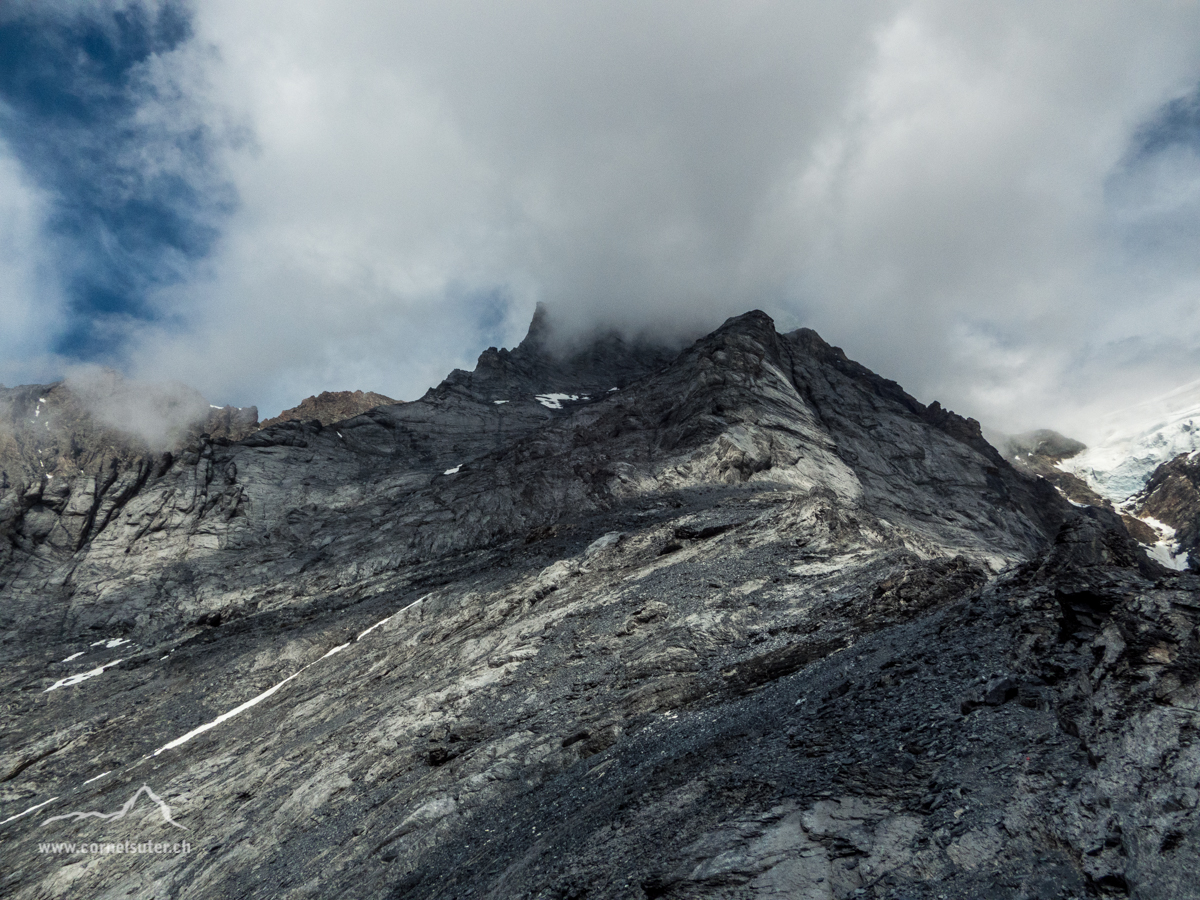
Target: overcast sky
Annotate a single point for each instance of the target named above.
(996, 204)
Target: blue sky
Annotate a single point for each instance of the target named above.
(133, 203)
(997, 206)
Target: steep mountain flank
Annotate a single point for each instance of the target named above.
(757, 623)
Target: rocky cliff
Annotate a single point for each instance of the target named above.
(71, 453)
(741, 620)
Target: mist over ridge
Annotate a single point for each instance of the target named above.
(996, 207)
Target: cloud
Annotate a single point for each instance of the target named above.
(158, 413)
(988, 203)
(29, 304)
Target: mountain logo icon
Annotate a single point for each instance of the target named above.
(121, 813)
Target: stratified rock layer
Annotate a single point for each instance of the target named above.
(734, 629)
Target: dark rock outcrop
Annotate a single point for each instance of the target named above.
(565, 370)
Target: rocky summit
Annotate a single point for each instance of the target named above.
(738, 620)
(331, 406)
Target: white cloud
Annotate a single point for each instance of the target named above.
(159, 413)
(929, 184)
(30, 305)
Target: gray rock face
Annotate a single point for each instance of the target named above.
(755, 624)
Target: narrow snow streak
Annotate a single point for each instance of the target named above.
(238, 710)
(389, 618)
(254, 701)
(28, 811)
(75, 656)
(72, 680)
(98, 777)
(453, 471)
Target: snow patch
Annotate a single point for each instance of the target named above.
(75, 656)
(498, 402)
(98, 777)
(1166, 550)
(554, 401)
(1063, 494)
(73, 680)
(1164, 553)
(453, 471)
(1162, 528)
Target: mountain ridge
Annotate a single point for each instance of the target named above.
(756, 624)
